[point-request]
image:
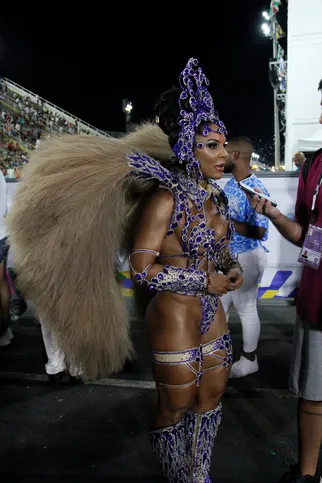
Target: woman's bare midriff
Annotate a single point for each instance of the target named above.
(169, 315)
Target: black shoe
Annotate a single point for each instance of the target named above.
(75, 380)
(294, 476)
(55, 379)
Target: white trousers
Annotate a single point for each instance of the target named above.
(245, 299)
(56, 357)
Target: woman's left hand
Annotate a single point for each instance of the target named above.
(236, 278)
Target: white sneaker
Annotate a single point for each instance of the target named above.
(6, 338)
(243, 367)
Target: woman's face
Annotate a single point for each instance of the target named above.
(212, 156)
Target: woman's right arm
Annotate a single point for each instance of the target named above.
(153, 226)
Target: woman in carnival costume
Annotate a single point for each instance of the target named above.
(153, 194)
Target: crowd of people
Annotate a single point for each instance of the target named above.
(24, 124)
(16, 141)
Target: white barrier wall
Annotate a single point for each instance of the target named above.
(283, 272)
(304, 74)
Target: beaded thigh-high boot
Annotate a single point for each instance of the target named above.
(201, 431)
(169, 444)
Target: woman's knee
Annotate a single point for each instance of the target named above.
(215, 397)
(207, 402)
(170, 417)
(212, 389)
(174, 403)
(214, 393)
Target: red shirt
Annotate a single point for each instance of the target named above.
(309, 300)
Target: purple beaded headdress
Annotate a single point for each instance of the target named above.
(193, 83)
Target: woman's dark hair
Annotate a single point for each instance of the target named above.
(167, 109)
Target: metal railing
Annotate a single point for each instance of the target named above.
(81, 124)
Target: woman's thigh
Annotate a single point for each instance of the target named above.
(217, 360)
(175, 340)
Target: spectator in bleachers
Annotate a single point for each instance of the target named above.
(34, 115)
(39, 141)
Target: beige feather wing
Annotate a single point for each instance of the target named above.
(67, 223)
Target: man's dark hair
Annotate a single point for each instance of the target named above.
(244, 139)
(320, 85)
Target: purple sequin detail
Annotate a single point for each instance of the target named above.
(185, 189)
(194, 84)
(185, 281)
(169, 445)
(209, 304)
(223, 343)
(201, 430)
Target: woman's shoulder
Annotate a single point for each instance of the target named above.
(162, 200)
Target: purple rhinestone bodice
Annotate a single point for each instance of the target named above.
(198, 240)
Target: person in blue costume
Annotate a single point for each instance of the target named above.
(155, 196)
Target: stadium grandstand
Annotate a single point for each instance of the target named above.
(26, 120)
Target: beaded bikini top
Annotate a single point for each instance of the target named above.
(198, 240)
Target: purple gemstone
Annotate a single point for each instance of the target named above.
(138, 276)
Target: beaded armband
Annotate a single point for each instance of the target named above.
(186, 281)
